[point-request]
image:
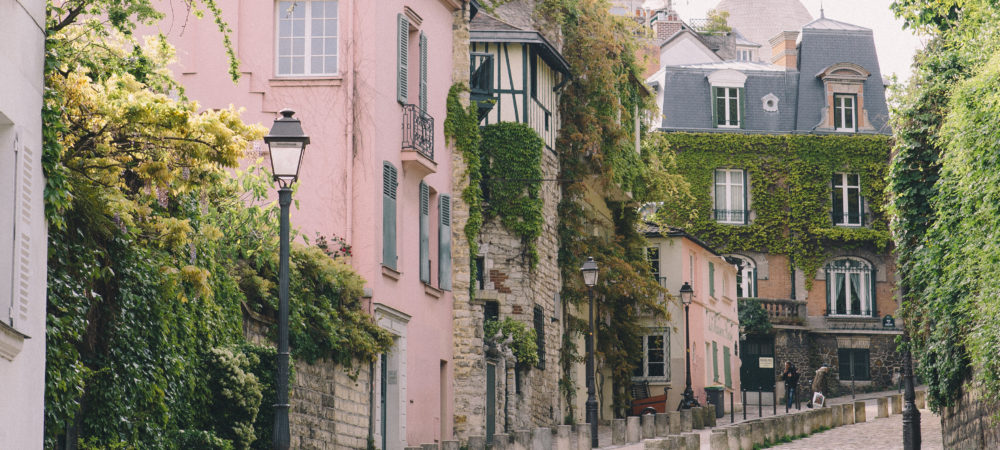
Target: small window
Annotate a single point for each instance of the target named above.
(854, 364)
(307, 38)
(727, 107)
(655, 357)
(480, 269)
(653, 255)
(730, 196)
(848, 205)
(746, 277)
(491, 311)
(844, 112)
(849, 287)
(539, 320)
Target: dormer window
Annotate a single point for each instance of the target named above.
(727, 98)
(844, 112)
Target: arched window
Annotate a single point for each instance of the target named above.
(850, 286)
(746, 275)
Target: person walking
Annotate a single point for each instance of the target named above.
(791, 378)
(817, 387)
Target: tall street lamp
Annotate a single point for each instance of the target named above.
(589, 271)
(688, 401)
(287, 143)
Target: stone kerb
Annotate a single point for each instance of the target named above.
(859, 412)
(429, 446)
(450, 445)
(582, 436)
(662, 424)
(501, 441)
(541, 439)
(733, 437)
(648, 425)
(848, 413)
(746, 435)
(674, 422)
(838, 415)
(710, 419)
(719, 440)
(897, 404)
(562, 437)
(633, 433)
(801, 424)
(757, 431)
(921, 399)
(617, 431)
(656, 444)
(883, 407)
(692, 441)
(477, 442)
(697, 418)
(522, 440)
(686, 420)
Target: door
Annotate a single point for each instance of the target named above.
(491, 399)
(757, 371)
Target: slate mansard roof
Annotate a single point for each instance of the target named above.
(687, 99)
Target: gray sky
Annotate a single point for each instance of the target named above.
(894, 45)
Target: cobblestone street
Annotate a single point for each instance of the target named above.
(874, 434)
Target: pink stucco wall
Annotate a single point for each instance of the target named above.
(354, 122)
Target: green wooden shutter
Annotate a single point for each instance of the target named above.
(444, 244)
(715, 362)
(727, 366)
(711, 279)
(746, 206)
(402, 60)
(742, 119)
(425, 261)
(715, 107)
(423, 71)
(389, 184)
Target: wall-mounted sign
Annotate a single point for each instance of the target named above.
(888, 322)
(765, 362)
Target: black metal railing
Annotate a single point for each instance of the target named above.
(418, 131)
(730, 215)
(851, 219)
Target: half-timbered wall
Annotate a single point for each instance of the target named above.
(525, 88)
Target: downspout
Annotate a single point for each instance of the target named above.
(349, 155)
(371, 402)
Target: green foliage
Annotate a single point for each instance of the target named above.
(523, 342)
(753, 317)
(718, 22)
(512, 169)
(941, 170)
(790, 191)
(599, 164)
(235, 396)
(461, 126)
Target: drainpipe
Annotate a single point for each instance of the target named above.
(371, 401)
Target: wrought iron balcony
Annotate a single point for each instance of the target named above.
(783, 311)
(418, 131)
(737, 216)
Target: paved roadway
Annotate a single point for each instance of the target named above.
(881, 434)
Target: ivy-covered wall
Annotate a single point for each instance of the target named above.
(790, 192)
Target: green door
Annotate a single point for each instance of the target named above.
(757, 372)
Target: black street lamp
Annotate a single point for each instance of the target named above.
(911, 416)
(688, 401)
(286, 143)
(589, 271)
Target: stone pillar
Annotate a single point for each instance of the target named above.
(648, 425)
(675, 422)
(697, 418)
(477, 442)
(848, 413)
(656, 444)
(859, 412)
(522, 440)
(733, 436)
(617, 431)
(562, 437)
(582, 436)
(710, 419)
(692, 441)
(897, 404)
(746, 436)
(883, 407)
(662, 424)
(633, 433)
(686, 421)
(541, 439)
(501, 441)
(719, 440)
(452, 445)
(921, 399)
(838, 415)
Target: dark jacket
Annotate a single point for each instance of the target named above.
(790, 377)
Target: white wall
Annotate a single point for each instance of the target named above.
(22, 226)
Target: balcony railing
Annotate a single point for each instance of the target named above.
(418, 131)
(849, 219)
(784, 311)
(738, 216)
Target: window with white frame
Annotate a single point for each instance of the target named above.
(655, 356)
(307, 38)
(727, 107)
(653, 255)
(848, 204)
(850, 285)
(730, 196)
(844, 112)
(746, 277)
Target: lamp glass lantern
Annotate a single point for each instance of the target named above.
(686, 293)
(286, 144)
(589, 271)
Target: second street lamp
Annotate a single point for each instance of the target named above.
(687, 293)
(589, 271)
(286, 143)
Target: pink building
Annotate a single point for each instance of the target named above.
(369, 82)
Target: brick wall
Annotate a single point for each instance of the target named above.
(970, 423)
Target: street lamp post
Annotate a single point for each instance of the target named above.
(286, 143)
(688, 401)
(911, 416)
(589, 271)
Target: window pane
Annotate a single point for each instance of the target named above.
(838, 111)
(299, 28)
(840, 293)
(853, 179)
(736, 199)
(854, 206)
(298, 64)
(284, 65)
(317, 9)
(720, 177)
(734, 110)
(849, 117)
(720, 106)
(736, 177)
(317, 27)
(284, 28)
(284, 47)
(655, 344)
(838, 204)
(656, 370)
(316, 65)
(298, 46)
(331, 64)
(720, 197)
(330, 47)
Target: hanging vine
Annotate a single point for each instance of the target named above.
(461, 126)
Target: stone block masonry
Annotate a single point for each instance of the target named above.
(970, 423)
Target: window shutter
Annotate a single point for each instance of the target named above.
(715, 107)
(444, 244)
(829, 285)
(727, 366)
(746, 206)
(873, 298)
(423, 71)
(742, 118)
(711, 280)
(755, 282)
(389, 184)
(715, 362)
(402, 61)
(425, 262)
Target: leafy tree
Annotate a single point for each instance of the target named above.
(718, 22)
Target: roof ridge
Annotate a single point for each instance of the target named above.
(491, 16)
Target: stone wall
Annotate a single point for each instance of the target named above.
(970, 423)
(328, 409)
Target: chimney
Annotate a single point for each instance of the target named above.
(783, 49)
(667, 22)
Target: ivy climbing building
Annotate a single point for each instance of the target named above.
(787, 160)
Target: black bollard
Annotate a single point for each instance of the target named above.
(732, 407)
